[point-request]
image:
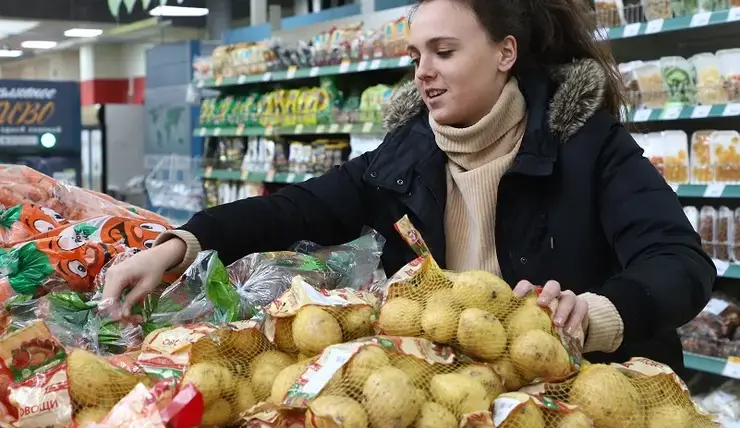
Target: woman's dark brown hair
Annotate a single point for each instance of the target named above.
(549, 33)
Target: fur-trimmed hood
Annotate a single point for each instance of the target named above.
(579, 95)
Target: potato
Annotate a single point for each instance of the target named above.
(528, 415)
(669, 416)
(481, 335)
(284, 335)
(401, 317)
(242, 344)
(608, 397)
(356, 322)
(391, 399)
(508, 373)
(95, 382)
(485, 375)
(207, 378)
(264, 369)
(217, 414)
(538, 355)
(205, 349)
(90, 415)
(483, 290)
(440, 317)
(576, 419)
(315, 329)
(526, 318)
(244, 398)
(419, 371)
(459, 393)
(285, 380)
(366, 361)
(330, 411)
(433, 415)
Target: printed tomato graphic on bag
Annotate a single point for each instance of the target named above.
(25, 221)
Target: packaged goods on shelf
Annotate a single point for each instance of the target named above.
(709, 81)
(723, 401)
(729, 63)
(678, 80)
(701, 163)
(725, 156)
(668, 152)
(713, 331)
(719, 229)
(609, 13)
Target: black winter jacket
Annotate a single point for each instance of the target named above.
(580, 205)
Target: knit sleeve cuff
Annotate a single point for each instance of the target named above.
(192, 243)
(605, 325)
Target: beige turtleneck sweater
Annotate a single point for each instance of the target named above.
(478, 156)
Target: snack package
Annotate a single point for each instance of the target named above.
(725, 156)
(675, 146)
(305, 320)
(729, 66)
(650, 82)
(678, 80)
(609, 13)
(37, 387)
(707, 228)
(701, 166)
(202, 294)
(637, 393)
(24, 221)
(232, 365)
(725, 225)
(709, 87)
(724, 401)
(381, 381)
(684, 7)
(693, 215)
(657, 9)
(477, 313)
(735, 254)
(718, 320)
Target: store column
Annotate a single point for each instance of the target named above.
(218, 19)
(112, 74)
(257, 12)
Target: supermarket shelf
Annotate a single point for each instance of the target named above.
(261, 176)
(702, 19)
(683, 113)
(302, 73)
(719, 366)
(716, 190)
(240, 131)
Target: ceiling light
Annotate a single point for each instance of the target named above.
(83, 32)
(38, 44)
(10, 53)
(178, 11)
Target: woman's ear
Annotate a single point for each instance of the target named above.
(508, 54)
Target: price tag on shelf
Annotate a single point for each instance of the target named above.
(732, 109)
(404, 61)
(362, 66)
(290, 178)
(307, 176)
(701, 112)
(244, 175)
(241, 80)
(268, 130)
(732, 368)
(654, 26)
(375, 64)
(631, 30)
(217, 132)
(208, 172)
(601, 34)
(314, 71)
(199, 84)
(270, 176)
(239, 129)
(674, 187)
(347, 129)
(219, 80)
(267, 77)
(700, 19)
(299, 128)
(733, 14)
(333, 128)
(721, 266)
(367, 127)
(344, 66)
(291, 72)
(671, 113)
(202, 132)
(714, 190)
(642, 115)
(320, 129)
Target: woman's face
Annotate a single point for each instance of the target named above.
(460, 72)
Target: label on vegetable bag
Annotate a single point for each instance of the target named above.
(412, 236)
(504, 405)
(301, 294)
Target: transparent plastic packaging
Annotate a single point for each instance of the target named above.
(649, 79)
(724, 401)
(701, 159)
(707, 228)
(725, 156)
(709, 86)
(736, 237)
(684, 7)
(675, 147)
(693, 215)
(725, 226)
(729, 65)
(609, 13)
(678, 80)
(631, 84)
(23, 221)
(652, 145)
(719, 319)
(657, 9)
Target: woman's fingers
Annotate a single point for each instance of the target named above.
(565, 308)
(578, 317)
(523, 288)
(550, 292)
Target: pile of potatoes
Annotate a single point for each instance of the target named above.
(478, 313)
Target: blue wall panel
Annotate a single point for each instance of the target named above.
(390, 4)
(323, 16)
(247, 34)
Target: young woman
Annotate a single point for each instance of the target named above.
(507, 154)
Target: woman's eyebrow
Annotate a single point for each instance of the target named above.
(434, 41)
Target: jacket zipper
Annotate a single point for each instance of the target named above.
(439, 203)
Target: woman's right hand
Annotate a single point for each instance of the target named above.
(140, 274)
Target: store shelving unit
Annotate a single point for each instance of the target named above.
(330, 129)
(729, 367)
(702, 19)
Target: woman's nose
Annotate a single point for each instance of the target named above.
(424, 70)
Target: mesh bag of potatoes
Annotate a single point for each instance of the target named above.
(304, 320)
(521, 410)
(477, 313)
(380, 382)
(640, 393)
(232, 365)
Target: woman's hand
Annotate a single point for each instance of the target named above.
(140, 274)
(571, 311)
